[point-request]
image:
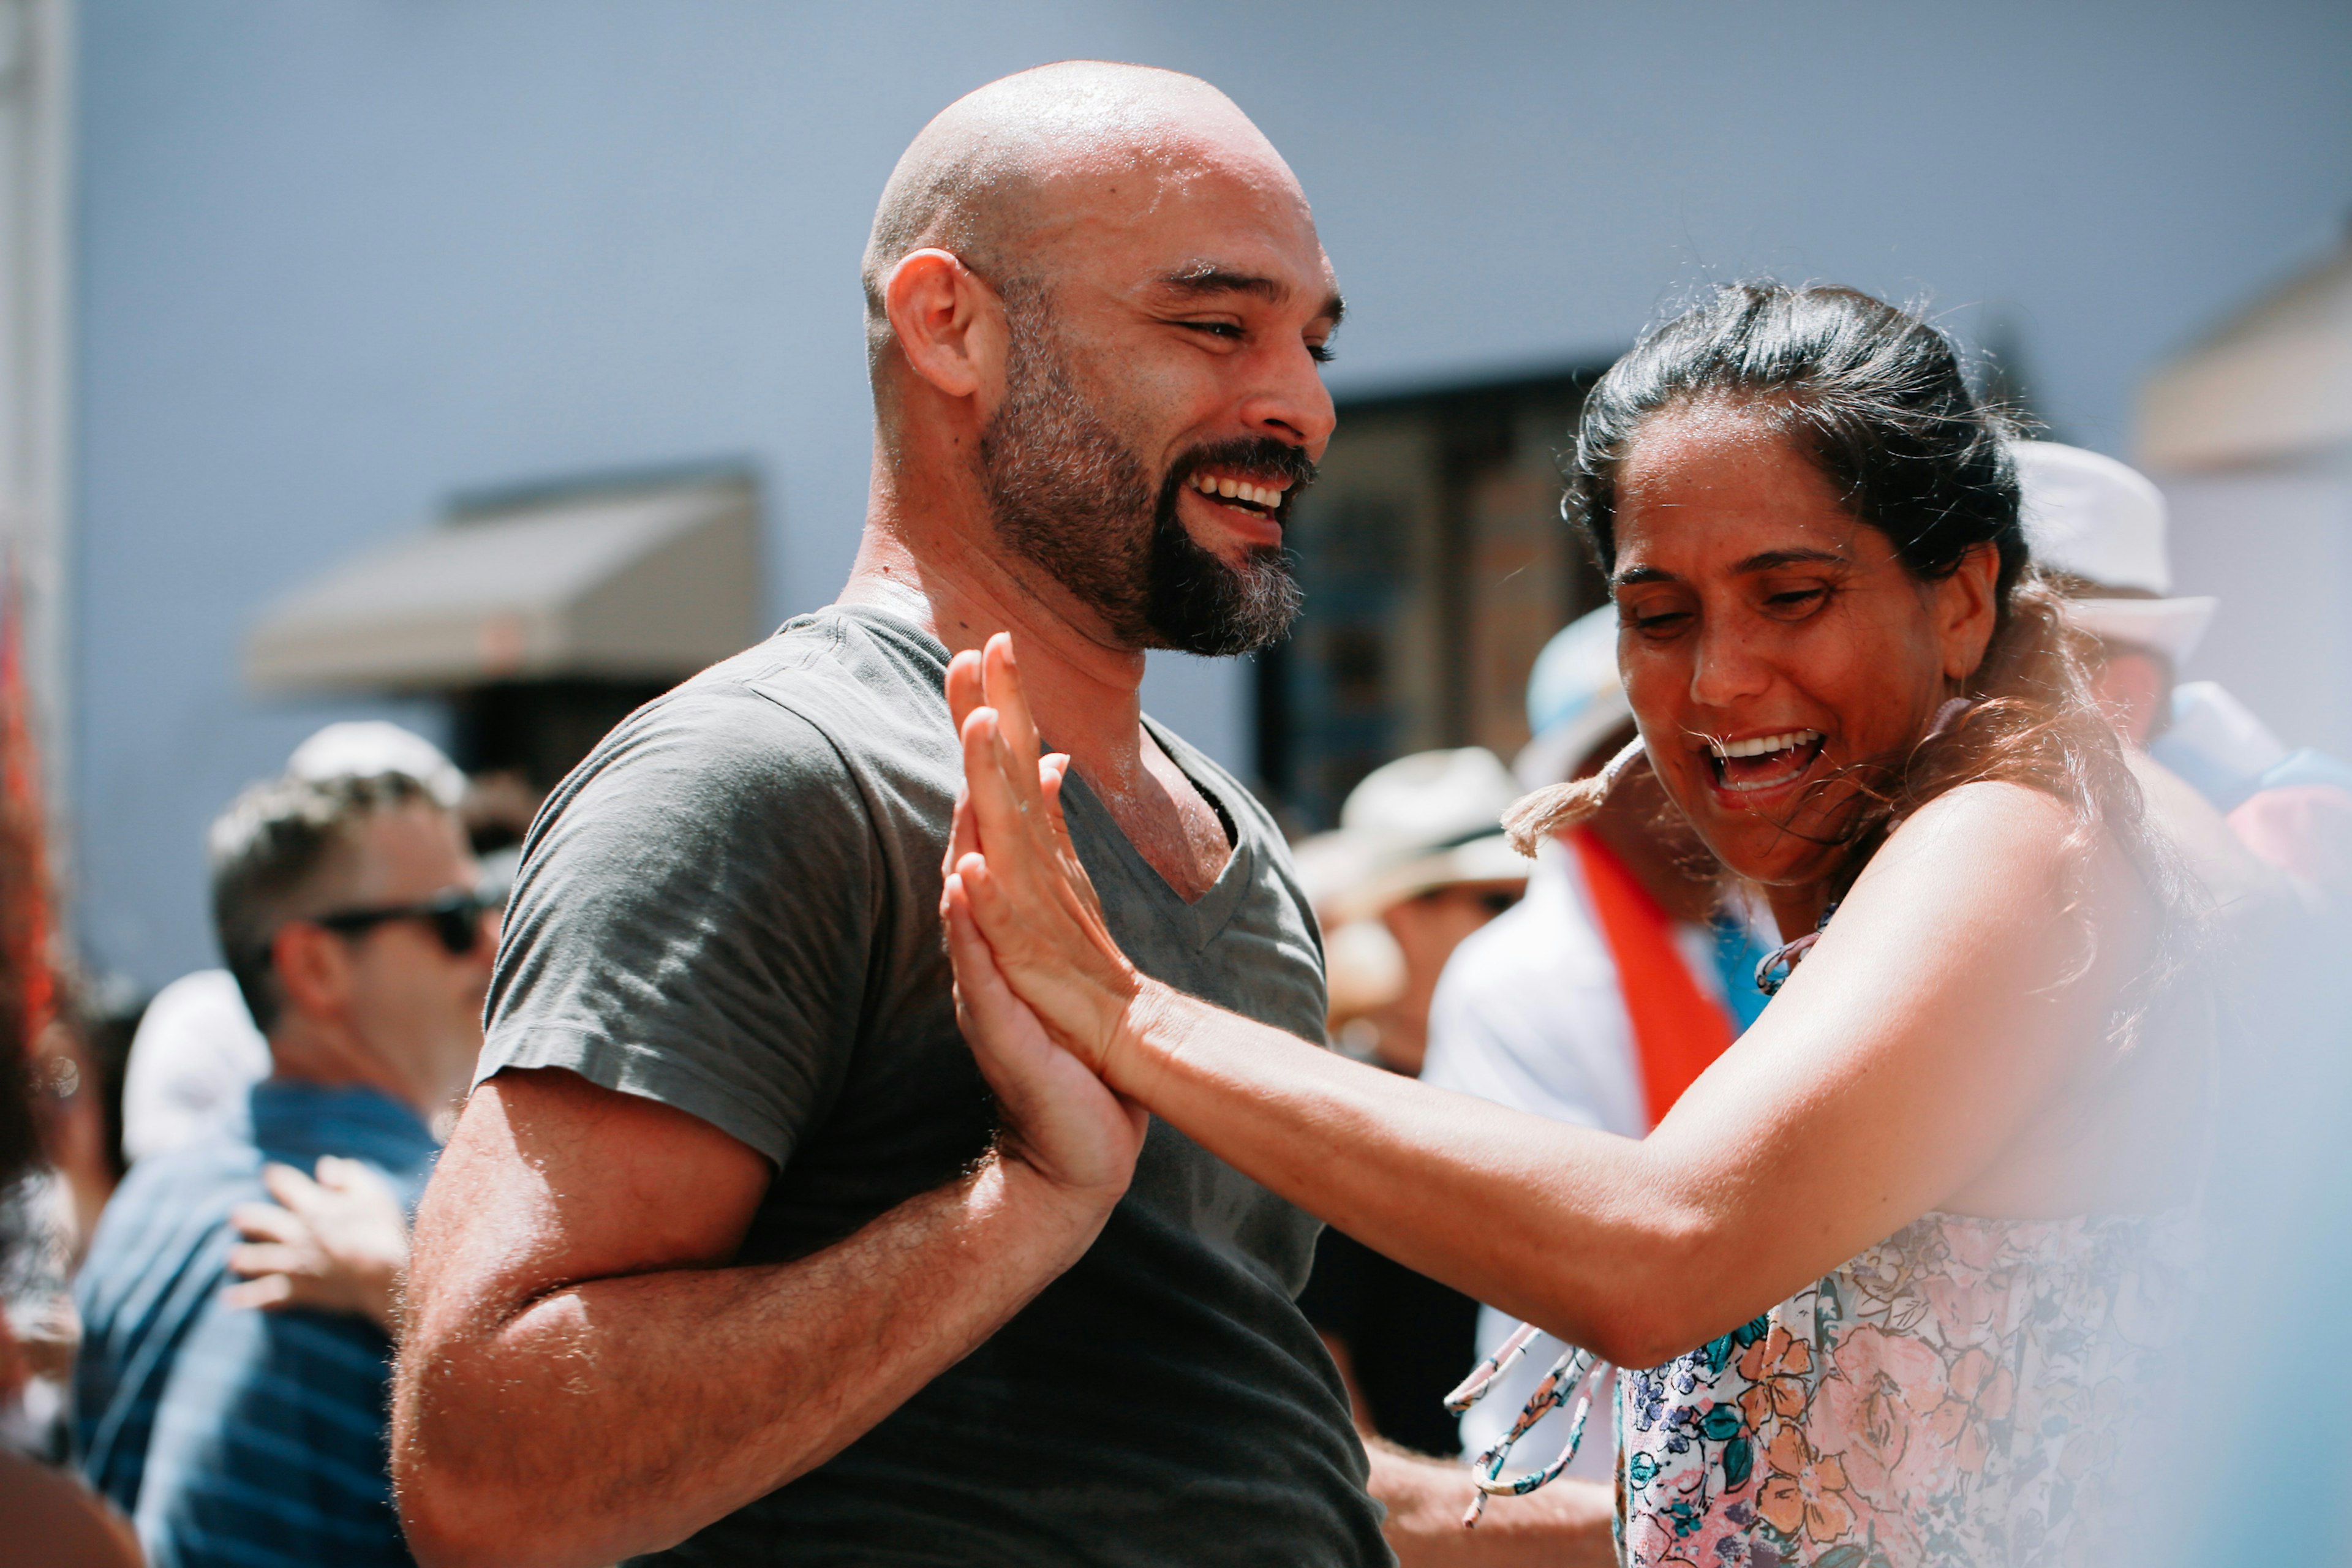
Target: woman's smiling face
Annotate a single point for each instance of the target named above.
(1770, 639)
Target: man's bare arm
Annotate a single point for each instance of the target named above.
(583, 1378)
(1565, 1525)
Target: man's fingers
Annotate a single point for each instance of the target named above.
(1000, 677)
(337, 1174)
(979, 984)
(965, 689)
(964, 837)
(289, 1187)
(308, 1200)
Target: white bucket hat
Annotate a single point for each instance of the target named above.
(2092, 517)
(1423, 822)
(1575, 701)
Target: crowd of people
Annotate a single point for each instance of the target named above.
(910, 1106)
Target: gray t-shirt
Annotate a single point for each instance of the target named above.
(731, 907)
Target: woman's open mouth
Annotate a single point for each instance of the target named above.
(1762, 762)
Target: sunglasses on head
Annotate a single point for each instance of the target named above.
(456, 918)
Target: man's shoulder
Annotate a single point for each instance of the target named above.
(202, 1178)
(831, 695)
(169, 1210)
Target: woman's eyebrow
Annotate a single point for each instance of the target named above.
(1773, 560)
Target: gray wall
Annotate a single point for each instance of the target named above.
(338, 258)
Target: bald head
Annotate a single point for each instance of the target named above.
(1005, 172)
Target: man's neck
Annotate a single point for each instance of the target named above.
(304, 1050)
(932, 554)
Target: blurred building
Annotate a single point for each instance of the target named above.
(36, 203)
(2250, 432)
(540, 618)
(1436, 566)
(332, 263)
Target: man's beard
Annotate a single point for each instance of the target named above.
(1068, 494)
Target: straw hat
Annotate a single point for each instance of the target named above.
(2091, 518)
(1423, 822)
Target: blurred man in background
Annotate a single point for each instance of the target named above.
(197, 1054)
(1606, 991)
(347, 910)
(2097, 528)
(1420, 853)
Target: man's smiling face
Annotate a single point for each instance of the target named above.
(1163, 404)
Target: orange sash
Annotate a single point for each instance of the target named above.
(1678, 1028)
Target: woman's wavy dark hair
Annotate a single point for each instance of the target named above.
(1880, 401)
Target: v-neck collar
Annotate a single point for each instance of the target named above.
(1208, 915)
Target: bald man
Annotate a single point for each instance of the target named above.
(732, 1257)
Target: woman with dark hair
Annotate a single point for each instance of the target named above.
(1921, 1222)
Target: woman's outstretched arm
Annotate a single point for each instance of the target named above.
(1928, 1030)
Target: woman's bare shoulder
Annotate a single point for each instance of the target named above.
(2013, 850)
(1990, 825)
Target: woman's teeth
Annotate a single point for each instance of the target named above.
(1762, 745)
(1227, 489)
(1764, 761)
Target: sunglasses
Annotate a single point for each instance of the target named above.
(456, 918)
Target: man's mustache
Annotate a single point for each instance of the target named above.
(1260, 454)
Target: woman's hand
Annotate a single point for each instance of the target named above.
(339, 1244)
(1056, 1116)
(1059, 1118)
(1012, 872)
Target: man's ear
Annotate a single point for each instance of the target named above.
(1968, 608)
(949, 324)
(313, 966)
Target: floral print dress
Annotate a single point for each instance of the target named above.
(1957, 1394)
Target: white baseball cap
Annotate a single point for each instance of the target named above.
(1423, 822)
(2092, 517)
(1575, 701)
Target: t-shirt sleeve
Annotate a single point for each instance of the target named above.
(693, 920)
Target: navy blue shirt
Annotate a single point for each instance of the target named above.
(233, 1435)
